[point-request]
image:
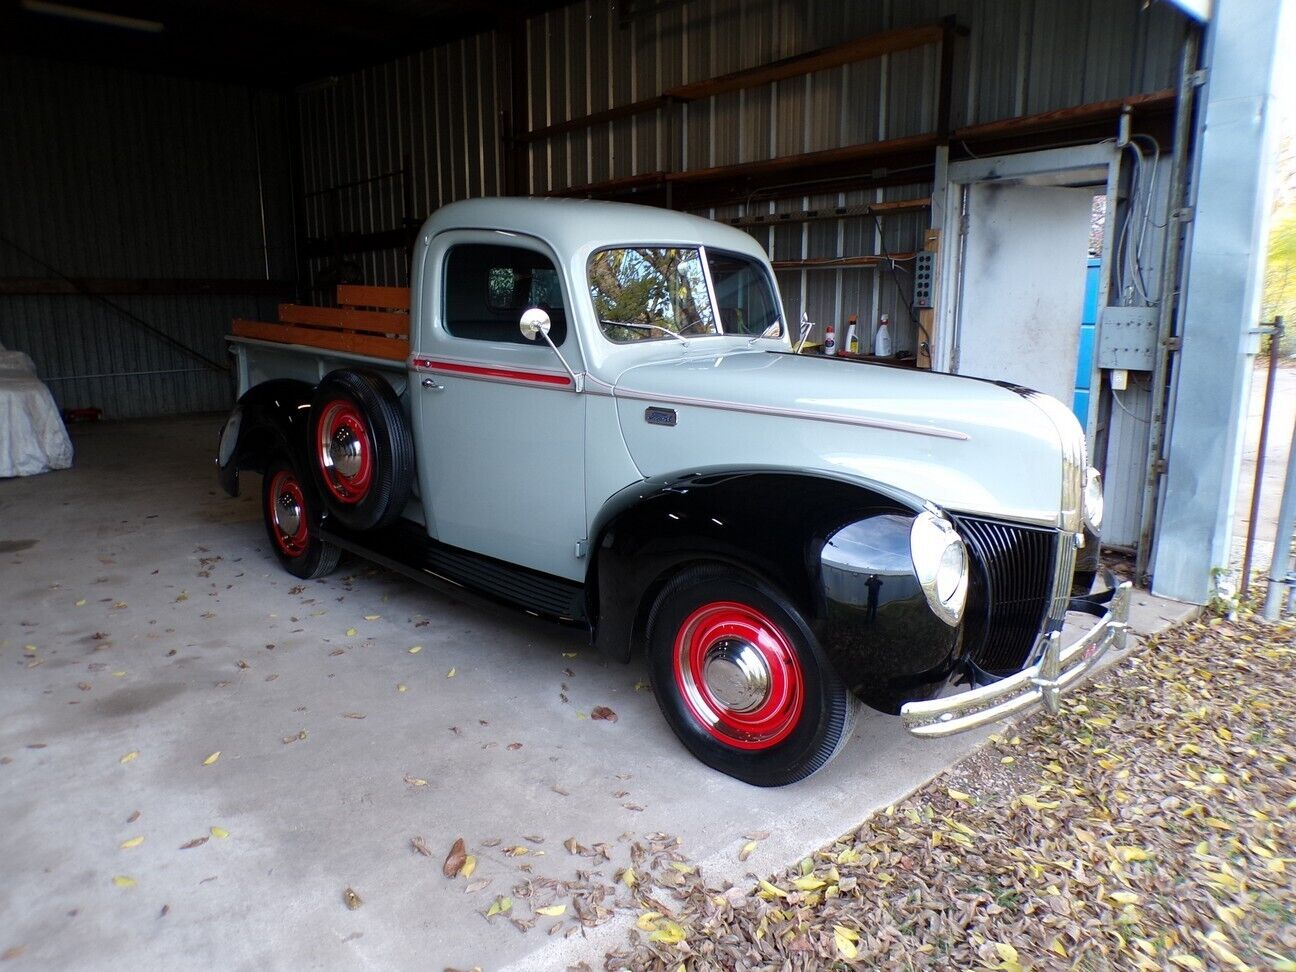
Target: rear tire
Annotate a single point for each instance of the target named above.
(742, 680)
(362, 453)
(291, 509)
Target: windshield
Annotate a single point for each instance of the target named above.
(661, 293)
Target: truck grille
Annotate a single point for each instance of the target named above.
(1010, 597)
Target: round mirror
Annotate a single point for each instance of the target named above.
(534, 321)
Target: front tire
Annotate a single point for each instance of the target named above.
(741, 678)
(291, 511)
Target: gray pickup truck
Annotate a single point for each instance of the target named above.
(601, 421)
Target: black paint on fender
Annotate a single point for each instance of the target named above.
(858, 593)
(274, 423)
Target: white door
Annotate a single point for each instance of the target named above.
(500, 429)
(1021, 285)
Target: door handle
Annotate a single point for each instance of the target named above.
(430, 384)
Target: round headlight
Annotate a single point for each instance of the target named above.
(941, 564)
(1093, 500)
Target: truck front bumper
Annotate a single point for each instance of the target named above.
(1058, 670)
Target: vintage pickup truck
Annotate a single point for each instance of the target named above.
(601, 420)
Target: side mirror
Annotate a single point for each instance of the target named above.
(534, 322)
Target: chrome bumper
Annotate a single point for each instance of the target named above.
(1059, 669)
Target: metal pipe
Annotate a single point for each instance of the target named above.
(1275, 332)
(1281, 576)
(1171, 254)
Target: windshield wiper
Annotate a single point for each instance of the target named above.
(636, 326)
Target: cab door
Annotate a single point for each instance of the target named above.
(499, 425)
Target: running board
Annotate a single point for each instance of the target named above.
(406, 548)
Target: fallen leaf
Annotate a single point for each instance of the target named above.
(747, 850)
(499, 906)
(353, 900)
(219, 832)
(513, 747)
(415, 650)
(133, 817)
(122, 881)
(351, 633)
(196, 842)
(129, 757)
(552, 911)
(372, 617)
(469, 865)
(604, 713)
(414, 780)
(132, 842)
(402, 688)
(454, 861)
(212, 758)
(960, 796)
(450, 674)
(845, 938)
(668, 933)
(353, 715)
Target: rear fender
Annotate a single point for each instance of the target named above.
(270, 419)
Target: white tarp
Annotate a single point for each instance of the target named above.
(32, 437)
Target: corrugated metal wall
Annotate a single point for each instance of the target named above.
(434, 116)
(109, 173)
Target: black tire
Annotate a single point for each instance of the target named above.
(790, 729)
(362, 453)
(291, 511)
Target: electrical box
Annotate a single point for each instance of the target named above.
(924, 279)
(1127, 338)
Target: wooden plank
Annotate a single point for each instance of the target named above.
(596, 118)
(121, 286)
(1063, 117)
(828, 263)
(846, 154)
(859, 49)
(343, 318)
(391, 298)
(394, 349)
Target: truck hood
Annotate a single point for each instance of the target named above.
(964, 444)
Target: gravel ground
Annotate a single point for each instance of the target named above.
(1149, 826)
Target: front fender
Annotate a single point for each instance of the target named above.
(269, 419)
(789, 528)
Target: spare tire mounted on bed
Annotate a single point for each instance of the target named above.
(362, 453)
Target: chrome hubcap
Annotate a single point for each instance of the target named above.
(287, 514)
(736, 675)
(344, 450)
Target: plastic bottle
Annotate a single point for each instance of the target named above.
(882, 343)
(852, 337)
(830, 341)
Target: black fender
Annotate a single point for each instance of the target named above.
(269, 419)
(838, 548)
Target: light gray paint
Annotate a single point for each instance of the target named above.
(1221, 287)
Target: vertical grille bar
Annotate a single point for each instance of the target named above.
(1022, 576)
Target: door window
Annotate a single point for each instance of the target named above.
(487, 287)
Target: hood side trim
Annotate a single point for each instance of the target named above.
(796, 413)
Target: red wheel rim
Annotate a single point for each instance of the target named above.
(288, 514)
(344, 451)
(739, 676)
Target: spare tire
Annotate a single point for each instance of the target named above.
(362, 453)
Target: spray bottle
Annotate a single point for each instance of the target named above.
(830, 340)
(852, 337)
(882, 343)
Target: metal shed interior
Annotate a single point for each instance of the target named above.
(171, 167)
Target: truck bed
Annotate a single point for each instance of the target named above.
(368, 321)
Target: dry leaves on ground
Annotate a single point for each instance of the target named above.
(1149, 826)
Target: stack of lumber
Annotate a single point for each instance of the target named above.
(372, 321)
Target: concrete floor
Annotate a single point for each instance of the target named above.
(159, 624)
